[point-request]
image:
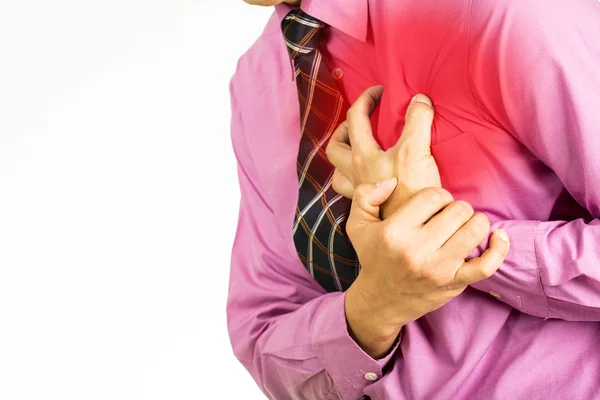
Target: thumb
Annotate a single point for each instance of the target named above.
(368, 198)
(417, 125)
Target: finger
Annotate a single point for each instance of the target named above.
(368, 198)
(342, 134)
(421, 207)
(359, 121)
(339, 151)
(417, 125)
(342, 185)
(466, 239)
(441, 227)
(485, 266)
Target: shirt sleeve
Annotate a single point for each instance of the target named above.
(288, 333)
(535, 69)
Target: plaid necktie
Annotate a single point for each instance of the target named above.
(319, 226)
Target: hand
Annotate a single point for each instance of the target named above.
(358, 158)
(413, 262)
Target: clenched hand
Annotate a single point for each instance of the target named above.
(414, 260)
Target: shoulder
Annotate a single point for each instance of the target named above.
(526, 41)
(531, 61)
(257, 88)
(262, 65)
(534, 27)
(258, 70)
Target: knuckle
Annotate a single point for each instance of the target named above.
(445, 196)
(389, 238)
(351, 112)
(434, 195)
(361, 195)
(462, 209)
(336, 182)
(414, 263)
(419, 111)
(475, 231)
(429, 194)
(414, 259)
(433, 276)
(329, 148)
(487, 270)
(394, 241)
(481, 225)
(405, 150)
(358, 162)
(373, 155)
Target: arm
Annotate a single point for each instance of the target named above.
(543, 59)
(290, 336)
(293, 338)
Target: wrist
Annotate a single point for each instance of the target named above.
(367, 323)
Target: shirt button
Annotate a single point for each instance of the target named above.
(496, 295)
(337, 74)
(370, 376)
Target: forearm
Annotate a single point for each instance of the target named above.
(290, 357)
(551, 270)
(290, 335)
(536, 74)
(305, 353)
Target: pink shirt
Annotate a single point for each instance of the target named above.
(516, 85)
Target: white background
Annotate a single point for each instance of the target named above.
(118, 198)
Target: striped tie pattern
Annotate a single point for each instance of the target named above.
(319, 225)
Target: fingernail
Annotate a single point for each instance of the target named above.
(386, 183)
(421, 98)
(502, 235)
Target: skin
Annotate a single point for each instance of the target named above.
(410, 159)
(410, 235)
(414, 260)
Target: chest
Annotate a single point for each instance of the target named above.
(479, 161)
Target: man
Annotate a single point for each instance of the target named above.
(515, 86)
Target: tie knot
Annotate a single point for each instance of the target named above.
(302, 32)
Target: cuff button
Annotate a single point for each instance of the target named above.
(370, 376)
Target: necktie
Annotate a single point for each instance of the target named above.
(319, 225)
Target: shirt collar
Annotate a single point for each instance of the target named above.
(348, 16)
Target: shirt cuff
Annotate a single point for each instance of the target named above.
(351, 369)
(517, 282)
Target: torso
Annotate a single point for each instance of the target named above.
(478, 161)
